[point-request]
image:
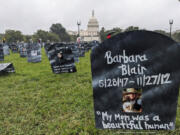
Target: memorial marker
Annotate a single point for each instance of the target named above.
(136, 77)
(6, 68)
(33, 52)
(1, 53)
(61, 58)
(81, 50)
(14, 48)
(6, 49)
(75, 51)
(23, 50)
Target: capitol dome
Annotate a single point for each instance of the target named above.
(92, 32)
(93, 24)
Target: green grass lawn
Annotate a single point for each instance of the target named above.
(35, 101)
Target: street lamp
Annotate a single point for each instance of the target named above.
(78, 24)
(170, 23)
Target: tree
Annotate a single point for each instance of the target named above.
(176, 36)
(73, 38)
(117, 30)
(102, 34)
(40, 34)
(45, 36)
(53, 37)
(131, 28)
(60, 31)
(1, 37)
(13, 36)
(27, 38)
(113, 31)
(162, 32)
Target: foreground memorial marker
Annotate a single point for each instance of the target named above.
(61, 58)
(6, 68)
(136, 77)
(33, 52)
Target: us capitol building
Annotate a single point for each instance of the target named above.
(92, 32)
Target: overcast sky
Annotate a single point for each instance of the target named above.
(30, 15)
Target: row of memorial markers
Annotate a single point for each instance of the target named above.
(62, 56)
(135, 78)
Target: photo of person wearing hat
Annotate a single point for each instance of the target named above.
(132, 101)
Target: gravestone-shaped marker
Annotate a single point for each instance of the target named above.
(75, 51)
(14, 48)
(46, 47)
(1, 53)
(6, 68)
(6, 49)
(136, 77)
(81, 50)
(33, 52)
(86, 46)
(94, 44)
(23, 50)
(61, 58)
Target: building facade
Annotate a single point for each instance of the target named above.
(92, 32)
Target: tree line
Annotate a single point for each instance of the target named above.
(116, 30)
(56, 33)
